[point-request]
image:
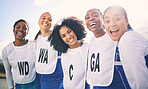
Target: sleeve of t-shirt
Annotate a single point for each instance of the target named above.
(7, 69)
(132, 49)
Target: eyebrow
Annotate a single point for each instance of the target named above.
(17, 25)
(106, 17)
(43, 16)
(114, 15)
(117, 15)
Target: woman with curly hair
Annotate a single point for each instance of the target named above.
(67, 38)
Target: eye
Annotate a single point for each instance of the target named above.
(24, 28)
(95, 15)
(107, 21)
(43, 18)
(69, 31)
(86, 17)
(63, 35)
(17, 27)
(117, 19)
(50, 19)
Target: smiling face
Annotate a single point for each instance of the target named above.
(20, 31)
(45, 21)
(93, 20)
(115, 23)
(68, 36)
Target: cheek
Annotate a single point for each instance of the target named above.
(64, 39)
(123, 27)
(106, 27)
(86, 22)
(50, 24)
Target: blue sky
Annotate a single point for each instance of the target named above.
(12, 10)
(30, 10)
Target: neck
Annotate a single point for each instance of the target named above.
(20, 42)
(46, 33)
(78, 44)
(100, 33)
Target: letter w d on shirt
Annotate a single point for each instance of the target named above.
(23, 68)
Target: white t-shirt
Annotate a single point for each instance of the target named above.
(133, 48)
(46, 56)
(74, 67)
(19, 63)
(101, 61)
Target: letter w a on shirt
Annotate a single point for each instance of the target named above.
(43, 56)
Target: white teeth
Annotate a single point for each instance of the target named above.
(45, 24)
(70, 40)
(20, 34)
(92, 24)
(114, 30)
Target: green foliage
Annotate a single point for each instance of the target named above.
(2, 70)
(2, 75)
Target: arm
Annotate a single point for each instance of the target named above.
(7, 69)
(132, 52)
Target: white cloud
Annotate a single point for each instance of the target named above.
(41, 3)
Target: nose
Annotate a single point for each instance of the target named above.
(21, 28)
(46, 20)
(68, 36)
(92, 18)
(112, 23)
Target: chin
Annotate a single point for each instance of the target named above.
(114, 39)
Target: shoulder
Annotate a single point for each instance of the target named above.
(85, 45)
(39, 37)
(92, 38)
(30, 42)
(132, 39)
(9, 46)
(84, 48)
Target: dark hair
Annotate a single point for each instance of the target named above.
(74, 24)
(121, 9)
(39, 32)
(21, 20)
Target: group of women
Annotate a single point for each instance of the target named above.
(61, 59)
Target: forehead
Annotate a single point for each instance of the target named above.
(92, 11)
(46, 15)
(20, 23)
(63, 29)
(112, 12)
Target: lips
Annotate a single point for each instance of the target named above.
(19, 33)
(92, 24)
(44, 24)
(70, 39)
(114, 32)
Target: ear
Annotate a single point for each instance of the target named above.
(127, 21)
(27, 32)
(38, 22)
